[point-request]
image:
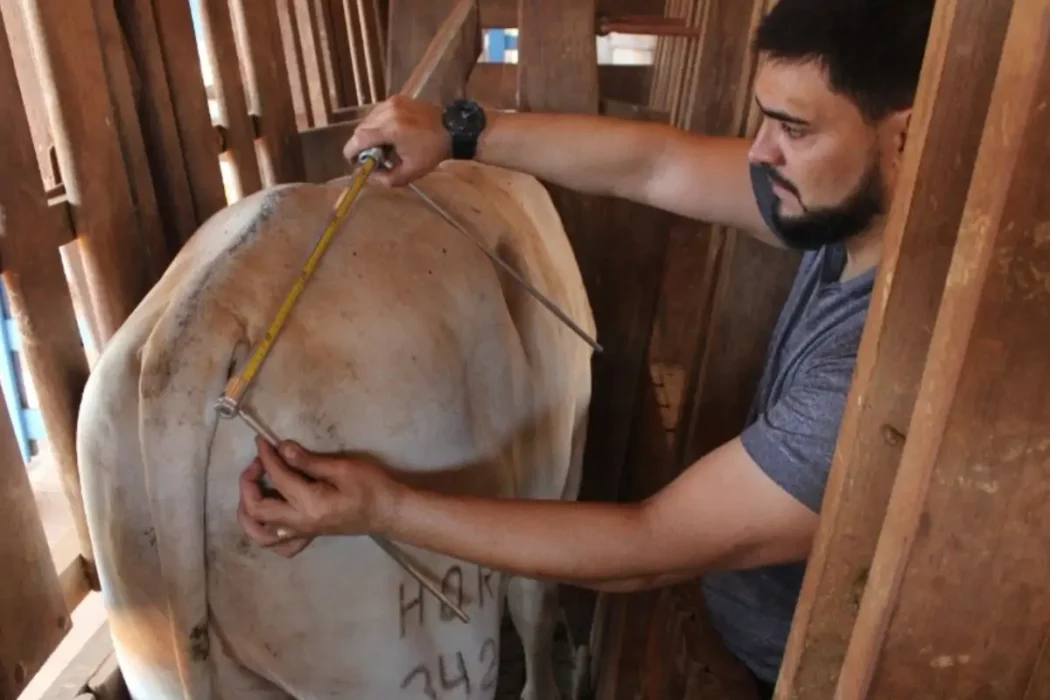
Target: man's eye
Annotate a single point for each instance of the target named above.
(792, 130)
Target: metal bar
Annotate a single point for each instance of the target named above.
(537, 294)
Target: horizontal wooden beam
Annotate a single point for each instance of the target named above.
(495, 84)
(498, 14)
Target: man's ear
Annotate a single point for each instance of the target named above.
(897, 125)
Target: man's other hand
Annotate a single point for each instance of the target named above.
(322, 495)
(413, 129)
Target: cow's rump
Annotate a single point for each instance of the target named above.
(408, 345)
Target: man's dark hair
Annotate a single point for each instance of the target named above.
(872, 49)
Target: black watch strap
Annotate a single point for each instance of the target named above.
(464, 120)
(464, 147)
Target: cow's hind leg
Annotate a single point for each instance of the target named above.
(534, 609)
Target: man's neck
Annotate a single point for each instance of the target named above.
(863, 252)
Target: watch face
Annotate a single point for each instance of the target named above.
(464, 117)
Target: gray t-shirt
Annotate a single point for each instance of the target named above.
(791, 433)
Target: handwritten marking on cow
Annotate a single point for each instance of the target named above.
(462, 679)
(404, 609)
(484, 582)
(489, 649)
(428, 681)
(452, 583)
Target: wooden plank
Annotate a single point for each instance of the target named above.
(322, 151)
(124, 86)
(442, 72)
(157, 122)
(500, 14)
(440, 69)
(957, 78)
(374, 47)
(221, 45)
(329, 47)
(966, 525)
(348, 63)
(32, 94)
(293, 54)
(557, 72)
(200, 145)
(414, 25)
(269, 95)
(496, 84)
(39, 295)
(313, 60)
(355, 38)
(83, 122)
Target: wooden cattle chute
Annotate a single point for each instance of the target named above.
(945, 427)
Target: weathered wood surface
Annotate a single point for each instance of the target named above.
(32, 94)
(198, 140)
(441, 71)
(293, 56)
(30, 236)
(504, 13)
(261, 48)
(83, 123)
(956, 603)
(613, 240)
(125, 87)
(33, 616)
(434, 44)
(496, 84)
(921, 232)
(156, 124)
(314, 44)
(220, 44)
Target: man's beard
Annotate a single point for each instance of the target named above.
(815, 228)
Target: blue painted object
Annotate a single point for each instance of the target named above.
(27, 423)
(499, 42)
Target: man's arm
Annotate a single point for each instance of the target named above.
(721, 513)
(700, 177)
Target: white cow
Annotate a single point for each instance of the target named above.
(407, 344)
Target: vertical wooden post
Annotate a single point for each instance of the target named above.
(158, 125)
(317, 78)
(269, 95)
(40, 296)
(558, 72)
(293, 54)
(962, 55)
(33, 613)
(199, 141)
(956, 604)
(83, 123)
(221, 45)
(124, 89)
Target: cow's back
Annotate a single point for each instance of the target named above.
(408, 345)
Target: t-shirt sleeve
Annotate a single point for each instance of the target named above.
(794, 441)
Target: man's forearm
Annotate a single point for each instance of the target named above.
(580, 543)
(586, 153)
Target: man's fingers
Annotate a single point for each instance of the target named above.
(291, 485)
(255, 530)
(318, 467)
(268, 511)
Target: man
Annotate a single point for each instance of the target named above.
(836, 83)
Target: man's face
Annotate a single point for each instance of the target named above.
(832, 171)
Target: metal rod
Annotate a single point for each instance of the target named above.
(537, 294)
(384, 544)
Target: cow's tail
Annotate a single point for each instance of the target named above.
(185, 363)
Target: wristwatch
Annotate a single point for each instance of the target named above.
(464, 120)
